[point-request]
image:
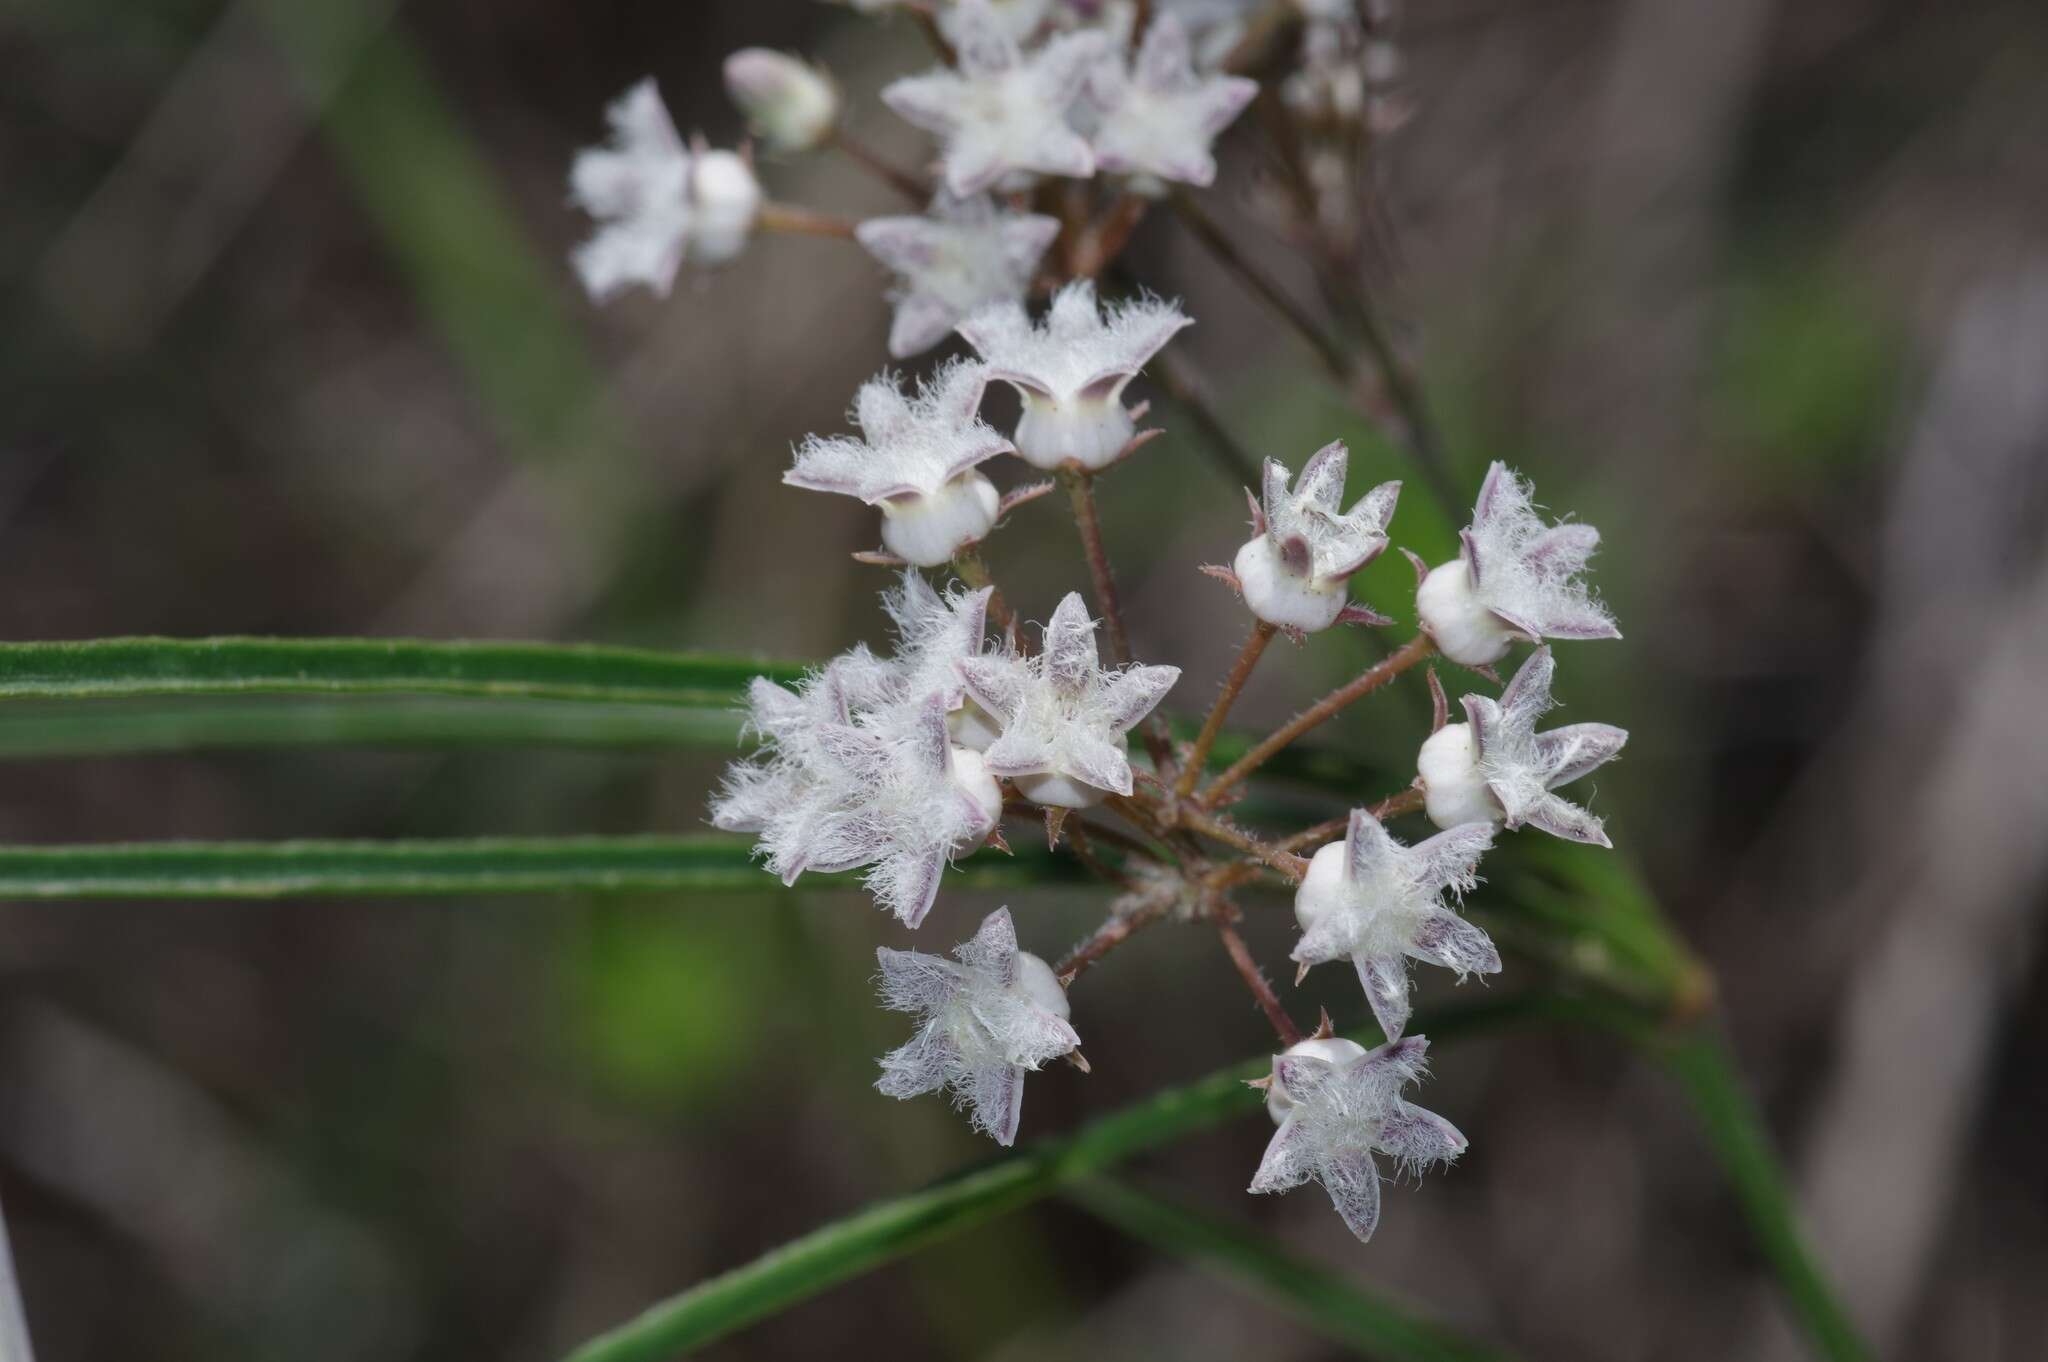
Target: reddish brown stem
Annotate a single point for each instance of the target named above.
(1241, 956)
(1317, 714)
(1107, 938)
(1282, 860)
(1247, 658)
(1394, 805)
(786, 217)
(1080, 485)
(883, 169)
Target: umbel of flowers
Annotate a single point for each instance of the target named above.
(1056, 124)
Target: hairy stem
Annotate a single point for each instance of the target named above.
(800, 221)
(1080, 485)
(1394, 805)
(1286, 862)
(1317, 714)
(1241, 956)
(1078, 836)
(878, 165)
(1106, 938)
(1247, 658)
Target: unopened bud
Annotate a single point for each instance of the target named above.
(790, 104)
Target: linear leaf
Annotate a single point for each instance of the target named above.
(182, 723)
(891, 1229)
(118, 667)
(1324, 1300)
(486, 865)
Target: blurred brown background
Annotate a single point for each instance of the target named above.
(288, 344)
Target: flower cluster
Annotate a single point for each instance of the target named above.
(1056, 125)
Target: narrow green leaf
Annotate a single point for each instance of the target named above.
(182, 723)
(704, 863)
(1324, 1300)
(130, 667)
(1700, 1061)
(891, 1229)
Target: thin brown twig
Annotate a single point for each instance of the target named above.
(1174, 374)
(880, 166)
(1212, 236)
(1078, 837)
(1106, 938)
(1221, 830)
(1240, 671)
(1321, 712)
(1394, 805)
(1080, 485)
(788, 217)
(1023, 808)
(1241, 956)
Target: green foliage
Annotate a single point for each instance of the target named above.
(1324, 1300)
(705, 863)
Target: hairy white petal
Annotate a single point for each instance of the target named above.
(1070, 369)
(1063, 716)
(1374, 901)
(987, 1017)
(1340, 1107)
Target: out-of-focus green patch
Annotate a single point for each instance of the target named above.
(1804, 373)
(658, 997)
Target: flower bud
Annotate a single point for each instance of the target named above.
(1453, 787)
(970, 774)
(790, 104)
(926, 530)
(1334, 1049)
(724, 198)
(1284, 595)
(1465, 630)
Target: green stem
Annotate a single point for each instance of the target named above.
(124, 667)
(1700, 1061)
(1324, 1300)
(893, 1229)
(701, 862)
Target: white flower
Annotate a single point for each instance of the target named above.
(986, 1021)
(889, 792)
(934, 635)
(1378, 903)
(1303, 549)
(1497, 768)
(656, 201)
(1513, 578)
(790, 104)
(959, 258)
(1338, 1104)
(1002, 114)
(917, 460)
(1063, 716)
(1071, 370)
(1020, 20)
(1159, 118)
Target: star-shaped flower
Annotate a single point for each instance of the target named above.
(892, 794)
(1071, 370)
(1159, 117)
(934, 635)
(1497, 768)
(1002, 113)
(1379, 903)
(1304, 549)
(1338, 1104)
(917, 459)
(987, 1020)
(958, 258)
(656, 201)
(1064, 717)
(1514, 577)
